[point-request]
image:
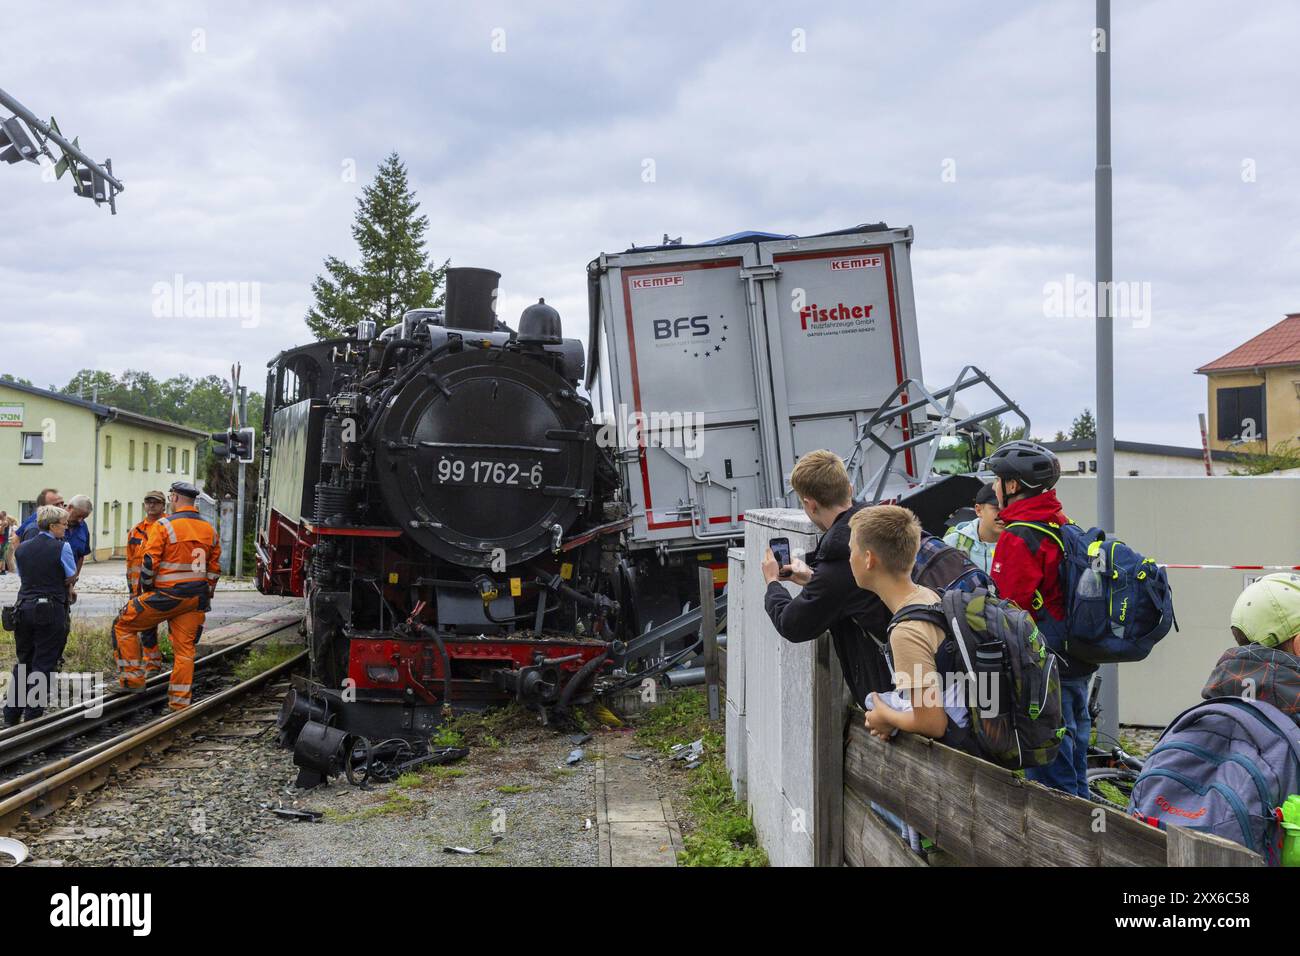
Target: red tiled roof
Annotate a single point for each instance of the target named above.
(1279, 345)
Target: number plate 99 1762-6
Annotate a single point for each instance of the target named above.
(488, 472)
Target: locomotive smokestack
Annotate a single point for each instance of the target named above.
(471, 299)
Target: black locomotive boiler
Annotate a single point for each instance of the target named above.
(438, 496)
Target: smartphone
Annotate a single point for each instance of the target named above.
(781, 550)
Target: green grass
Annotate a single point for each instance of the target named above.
(262, 658)
(513, 788)
(723, 835)
(1112, 792)
(486, 729)
(425, 777)
(395, 802)
(447, 736)
(90, 649)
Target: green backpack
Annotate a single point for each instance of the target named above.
(1013, 693)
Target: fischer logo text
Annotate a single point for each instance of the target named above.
(812, 316)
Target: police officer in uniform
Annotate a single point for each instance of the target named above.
(48, 571)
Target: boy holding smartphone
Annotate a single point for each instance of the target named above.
(830, 599)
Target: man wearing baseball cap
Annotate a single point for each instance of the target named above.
(1265, 664)
(178, 575)
(155, 503)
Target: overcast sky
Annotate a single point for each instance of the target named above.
(233, 124)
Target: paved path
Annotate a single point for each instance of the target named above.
(101, 592)
(637, 826)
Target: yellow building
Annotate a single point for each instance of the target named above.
(1254, 391)
(51, 440)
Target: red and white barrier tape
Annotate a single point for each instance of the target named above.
(1236, 567)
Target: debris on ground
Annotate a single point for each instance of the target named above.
(289, 813)
(691, 753)
(575, 756)
(14, 848)
(467, 851)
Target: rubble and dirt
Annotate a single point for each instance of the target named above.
(213, 801)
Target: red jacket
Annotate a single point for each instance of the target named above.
(1026, 565)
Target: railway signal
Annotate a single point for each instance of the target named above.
(15, 143)
(24, 136)
(235, 444)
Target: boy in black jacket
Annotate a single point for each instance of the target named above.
(830, 600)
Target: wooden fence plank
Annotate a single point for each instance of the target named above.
(830, 710)
(869, 841)
(983, 815)
(709, 638)
(1189, 848)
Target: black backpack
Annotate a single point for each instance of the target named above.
(941, 567)
(1012, 689)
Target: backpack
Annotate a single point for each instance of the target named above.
(1224, 767)
(1118, 604)
(1013, 692)
(941, 567)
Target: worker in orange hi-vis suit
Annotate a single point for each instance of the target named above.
(178, 576)
(155, 503)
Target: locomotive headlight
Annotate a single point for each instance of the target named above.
(381, 674)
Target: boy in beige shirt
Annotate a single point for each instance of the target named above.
(883, 544)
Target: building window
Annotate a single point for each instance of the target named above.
(144, 462)
(104, 529)
(157, 457)
(108, 451)
(33, 448)
(130, 516)
(26, 508)
(1092, 465)
(1082, 468)
(185, 461)
(1241, 413)
(171, 458)
(130, 455)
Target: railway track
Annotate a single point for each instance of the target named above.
(41, 790)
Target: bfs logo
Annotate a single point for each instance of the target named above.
(687, 325)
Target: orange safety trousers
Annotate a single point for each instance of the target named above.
(153, 659)
(184, 625)
(135, 541)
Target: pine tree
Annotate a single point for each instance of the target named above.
(394, 273)
(1085, 426)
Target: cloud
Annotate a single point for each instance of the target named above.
(530, 160)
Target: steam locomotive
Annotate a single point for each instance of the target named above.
(439, 497)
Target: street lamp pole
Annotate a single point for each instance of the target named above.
(1105, 334)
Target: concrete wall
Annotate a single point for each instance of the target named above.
(1146, 465)
(770, 698)
(1220, 520)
